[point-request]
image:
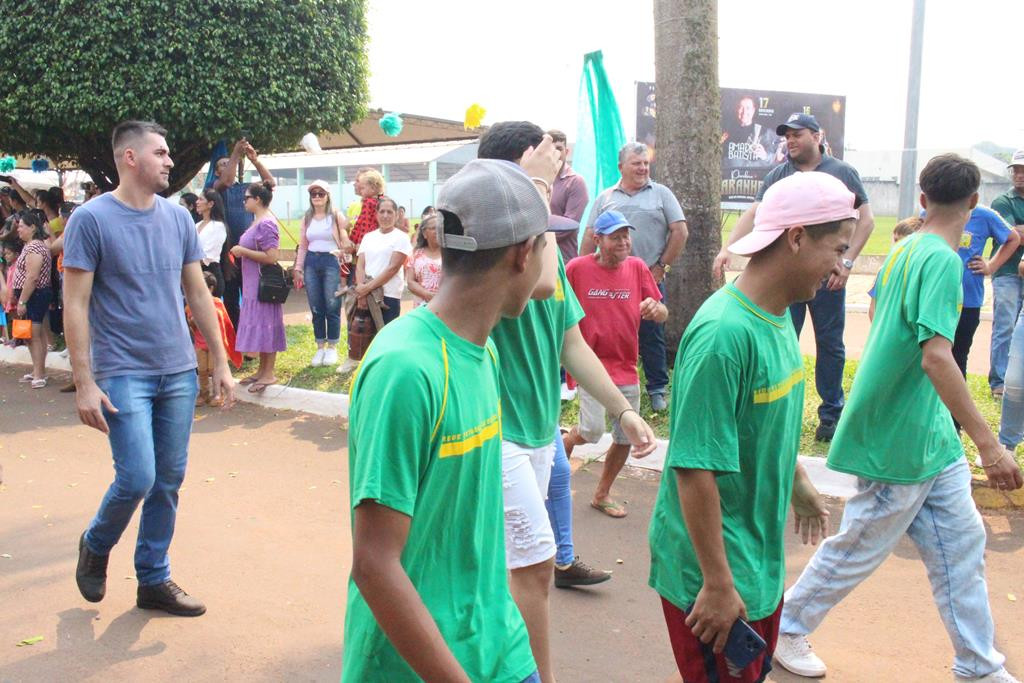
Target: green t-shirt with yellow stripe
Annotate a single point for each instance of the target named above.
(737, 407)
(531, 351)
(425, 440)
(895, 428)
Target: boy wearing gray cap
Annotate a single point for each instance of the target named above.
(428, 595)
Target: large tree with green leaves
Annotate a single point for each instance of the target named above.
(204, 69)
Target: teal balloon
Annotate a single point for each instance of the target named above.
(7, 164)
(391, 124)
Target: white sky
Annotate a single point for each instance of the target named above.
(522, 59)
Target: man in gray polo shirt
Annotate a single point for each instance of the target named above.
(828, 307)
(659, 239)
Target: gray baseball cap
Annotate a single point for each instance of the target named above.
(490, 204)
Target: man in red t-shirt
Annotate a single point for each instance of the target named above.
(616, 291)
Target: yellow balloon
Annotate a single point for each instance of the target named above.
(474, 116)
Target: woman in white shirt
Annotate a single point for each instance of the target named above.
(324, 233)
(382, 253)
(212, 234)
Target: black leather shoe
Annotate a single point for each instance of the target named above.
(169, 597)
(91, 574)
(825, 431)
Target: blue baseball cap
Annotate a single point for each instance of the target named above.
(798, 121)
(610, 221)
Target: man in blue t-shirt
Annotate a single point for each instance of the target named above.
(128, 256)
(238, 220)
(806, 152)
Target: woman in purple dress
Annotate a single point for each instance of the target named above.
(260, 325)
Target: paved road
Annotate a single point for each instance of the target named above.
(263, 538)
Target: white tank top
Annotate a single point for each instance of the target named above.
(320, 234)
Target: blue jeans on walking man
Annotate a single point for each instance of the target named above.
(149, 437)
(940, 518)
(652, 353)
(322, 276)
(1007, 296)
(828, 316)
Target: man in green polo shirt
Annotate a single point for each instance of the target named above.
(717, 529)
(897, 436)
(1007, 284)
(428, 596)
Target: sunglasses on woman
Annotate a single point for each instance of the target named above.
(317, 195)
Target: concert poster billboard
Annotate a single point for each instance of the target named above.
(750, 146)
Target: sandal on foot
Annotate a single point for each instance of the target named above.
(248, 380)
(260, 387)
(610, 508)
(25, 379)
(39, 383)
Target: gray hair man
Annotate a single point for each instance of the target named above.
(659, 240)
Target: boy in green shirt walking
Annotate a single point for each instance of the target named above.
(717, 529)
(428, 596)
(897, 436)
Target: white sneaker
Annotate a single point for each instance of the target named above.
(567, 393)
(318, 358)
(1001, 676)
(793, 652)
(330, 357)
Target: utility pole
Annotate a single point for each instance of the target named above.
(908, 169)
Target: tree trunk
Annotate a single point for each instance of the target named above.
(688, 150)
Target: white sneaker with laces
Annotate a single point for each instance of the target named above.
(330, 357)
(318, 358)
(793, 653)
(1001, 676)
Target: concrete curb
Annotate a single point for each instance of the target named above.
(280, 397)
(276, 397)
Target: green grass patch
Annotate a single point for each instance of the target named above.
(293, 370)
(878, 244)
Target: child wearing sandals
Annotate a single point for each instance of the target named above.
(204, 357)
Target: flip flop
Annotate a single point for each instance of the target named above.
(609, 508)
(25, 379)
(248, 380)
(260, 387)
(39, 383)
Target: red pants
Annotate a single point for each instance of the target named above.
(699, 664)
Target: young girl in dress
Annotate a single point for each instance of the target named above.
(423, 272)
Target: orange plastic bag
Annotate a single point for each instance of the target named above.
(22, 329)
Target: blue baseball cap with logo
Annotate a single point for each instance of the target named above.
(798, 121)
(610, 221)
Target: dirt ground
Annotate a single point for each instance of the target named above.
(263, 538)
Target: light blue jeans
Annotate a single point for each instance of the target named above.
(149, 436)
(940, 518)
(322, 277)
(1007, 296)
(1011, 423)
(559, 503)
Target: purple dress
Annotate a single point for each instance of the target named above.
(260, 325)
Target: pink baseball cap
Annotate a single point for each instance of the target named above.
(801, 199)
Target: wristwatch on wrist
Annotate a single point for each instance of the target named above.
(664, 266)
(847, 263)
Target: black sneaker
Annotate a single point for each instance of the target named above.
(579, 573)
(169, 597)
(825, 431)
(91, 574)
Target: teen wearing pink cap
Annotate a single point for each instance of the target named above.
(716, 534)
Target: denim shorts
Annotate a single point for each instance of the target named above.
(38, 304)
